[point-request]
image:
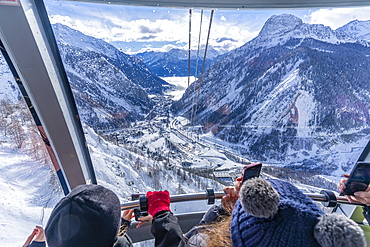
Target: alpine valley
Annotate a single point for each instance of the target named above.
(297, 95)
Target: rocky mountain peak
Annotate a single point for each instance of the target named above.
(357, 29)
(277, 25)
(279, 29)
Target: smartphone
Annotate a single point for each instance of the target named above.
(251, 171)
(137, 212)
(359, 178)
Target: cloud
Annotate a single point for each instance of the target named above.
(116, 25)
(145, 29)
(164, 48)
(151, 37)
(220, 40)
(335, 18)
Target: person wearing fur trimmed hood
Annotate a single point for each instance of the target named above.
(276, 213)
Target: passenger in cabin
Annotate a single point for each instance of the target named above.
(90, 215)
(276, 213)
(269, 213)
(166, 229)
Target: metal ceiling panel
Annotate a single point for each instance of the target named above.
(28, 39)
(237, 4)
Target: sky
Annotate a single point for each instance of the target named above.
(137, 29)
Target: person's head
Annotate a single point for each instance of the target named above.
(89, 215)
(276, 213)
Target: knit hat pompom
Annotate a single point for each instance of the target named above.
(338, 230)
(259, 198)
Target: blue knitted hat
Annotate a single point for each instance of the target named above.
(270, 222)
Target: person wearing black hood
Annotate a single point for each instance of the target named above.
(90, 215)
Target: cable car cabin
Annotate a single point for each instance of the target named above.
(129, 94)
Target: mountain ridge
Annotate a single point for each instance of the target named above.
(175, 61)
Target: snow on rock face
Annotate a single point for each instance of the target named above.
(278, 25)
(278, 29)
(102, 77)
(69, 36)
(357, 29)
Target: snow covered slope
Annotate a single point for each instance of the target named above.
(357, 29)
(9, 90)
(30, 189)
(28, 193)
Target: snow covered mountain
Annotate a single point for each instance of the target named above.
(296, 95)
(278, 29)
(107, 83)
(357, 29)
(175, 61)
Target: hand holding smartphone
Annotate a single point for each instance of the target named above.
(359, 179)
(251, 171)
(137, 212)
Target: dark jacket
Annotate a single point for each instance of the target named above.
(167, 232)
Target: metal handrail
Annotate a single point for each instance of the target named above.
(340, 199)
(219, 195)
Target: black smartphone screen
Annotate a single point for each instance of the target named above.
(251, 171)
(137, 211)
(359, 178)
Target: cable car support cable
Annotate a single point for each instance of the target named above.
(204, 59)
(189, 63)
(196, 65)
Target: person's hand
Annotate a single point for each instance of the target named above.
(342, 183)
(30, 238)
(363, 196)
(359, 196)
(127, 214)
(144, 219)
(237, 184)
(228, 201)
(39, 233)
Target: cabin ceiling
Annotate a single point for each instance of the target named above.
(237, 4)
